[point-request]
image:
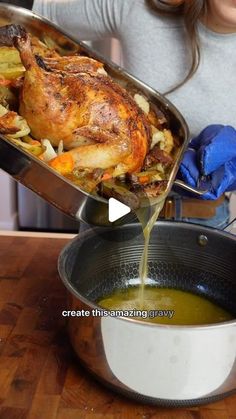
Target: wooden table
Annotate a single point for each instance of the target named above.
(40, 377)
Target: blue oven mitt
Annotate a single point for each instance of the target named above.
(210, 161)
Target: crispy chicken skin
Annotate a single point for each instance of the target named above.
(7, 123)
(71, 99)
(73, 64)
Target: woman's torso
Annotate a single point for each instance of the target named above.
(155, 50)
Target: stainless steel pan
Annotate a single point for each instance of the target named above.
(160, 364)
(36, 175)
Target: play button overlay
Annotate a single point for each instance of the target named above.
(116, 210)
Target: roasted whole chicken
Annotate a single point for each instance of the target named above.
(71, 98)
(73, 116)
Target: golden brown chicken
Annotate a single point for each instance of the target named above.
(72, 99)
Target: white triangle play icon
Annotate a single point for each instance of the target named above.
(116, 210)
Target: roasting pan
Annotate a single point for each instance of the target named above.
(36, 175)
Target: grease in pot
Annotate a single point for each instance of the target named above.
(165, 305)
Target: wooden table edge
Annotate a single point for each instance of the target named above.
(36, 234)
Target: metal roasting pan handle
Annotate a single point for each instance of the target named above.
(229, 227)
(189, 188)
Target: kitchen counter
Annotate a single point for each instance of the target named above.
(40, 377)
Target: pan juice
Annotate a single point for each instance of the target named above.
(147, 217)
(165, 306)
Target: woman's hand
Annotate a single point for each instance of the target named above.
(210, 161)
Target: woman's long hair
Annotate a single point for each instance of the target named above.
(191, 11)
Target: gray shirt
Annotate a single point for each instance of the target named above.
(155, 50)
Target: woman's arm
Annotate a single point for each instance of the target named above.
(86, 19)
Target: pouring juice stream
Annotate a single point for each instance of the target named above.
(147, 217)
